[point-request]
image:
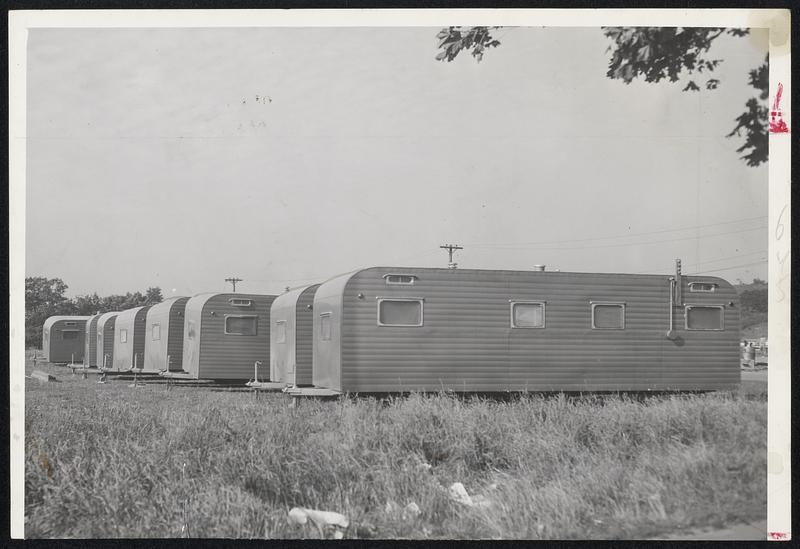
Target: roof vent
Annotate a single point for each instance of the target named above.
(538, 267)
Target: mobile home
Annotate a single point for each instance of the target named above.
(129, 339)
(387, 329)
(291, 335)
(90, 350)
(163, 347)
(225, 334)
(105, 339)
(64, 338)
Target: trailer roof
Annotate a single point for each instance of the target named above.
(53, 319)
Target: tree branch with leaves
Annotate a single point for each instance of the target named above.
(654, 54)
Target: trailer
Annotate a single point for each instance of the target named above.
(163, 348)
(64, 338)
(291, 336)
(105, 340)
(129, 335)
(90, 341)
(397, 329)
(225, 335)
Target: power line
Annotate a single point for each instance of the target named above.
(733, 267)
(737, 256)
(501, 245)
(560, 248)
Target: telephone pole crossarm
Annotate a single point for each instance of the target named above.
(450, 249)
(233, 280)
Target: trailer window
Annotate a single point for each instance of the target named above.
(69, 334)
(241, 325)
(156, 332)
(190, 330)
(70, 323)
(280, 331)
(702, 287)
(608, 316)
(406, 279)
(399, 312)
(325, 326)
(236, 302)
(123, 336)
(704, 318)
(527, 314)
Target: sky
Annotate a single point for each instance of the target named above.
(285, 156)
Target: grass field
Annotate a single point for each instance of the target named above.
(107, 460)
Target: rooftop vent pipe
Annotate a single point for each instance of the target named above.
(538, 267)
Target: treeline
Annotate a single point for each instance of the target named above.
(754, 300)
(44, 297)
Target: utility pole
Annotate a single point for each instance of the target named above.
(233, 280)
(450, 249)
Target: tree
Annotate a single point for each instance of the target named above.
(654, 54)
(44, 297)
(755, 300)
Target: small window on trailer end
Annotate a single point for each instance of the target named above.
(280, 331)
(156, 332)
(608, 316)
(527, 314)
(245, 325)
(237, 302)
(70, 323)
(705, 317)
(405, 312)
(703, 286)
(123, 336)
(325, 326)
(69, 334)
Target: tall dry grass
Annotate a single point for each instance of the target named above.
(108, 461)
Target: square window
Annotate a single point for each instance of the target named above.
(156, 332)
(400, 312)
(608, 316)
(527, 315)
(704, 318)
(280, 331)
(325, 326)
(69, 334)
(241, 325)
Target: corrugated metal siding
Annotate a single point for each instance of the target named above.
(328, 353)
(139, 336)
(304, 336)
(282, 354)
(58, 349)
(105, 339)
(466, 342)
(169, 315)
(290, 361)
(216, 355)
(175, 333)
(131, 352)
(90, 353)
(193, 315)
